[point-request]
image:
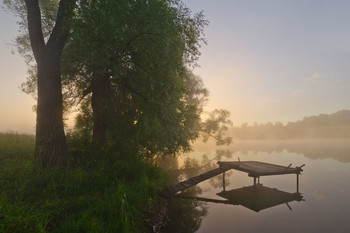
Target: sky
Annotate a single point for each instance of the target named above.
(265, 61)
(16, 112)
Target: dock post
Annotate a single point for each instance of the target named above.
(297, 182)
(223, 182)
(254, 181)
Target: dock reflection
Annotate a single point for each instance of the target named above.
(259, 197)
(255, 198)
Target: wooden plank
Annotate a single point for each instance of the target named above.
(171, 190)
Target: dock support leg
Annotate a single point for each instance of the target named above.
(254, 181)
(297, 183)
(223, 182)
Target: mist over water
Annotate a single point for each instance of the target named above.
(324, 187)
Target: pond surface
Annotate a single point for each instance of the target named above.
(322, 206)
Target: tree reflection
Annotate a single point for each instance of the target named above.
(183, 215)
(338, 149)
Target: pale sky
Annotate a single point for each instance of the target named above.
(265, 61)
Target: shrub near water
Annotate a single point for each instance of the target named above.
(108, 197)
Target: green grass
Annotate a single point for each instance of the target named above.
(13, 143)
(111, 196)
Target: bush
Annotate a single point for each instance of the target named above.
(109, 196)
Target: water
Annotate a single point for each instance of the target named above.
(324, 186)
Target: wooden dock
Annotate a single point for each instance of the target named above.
(253, 168)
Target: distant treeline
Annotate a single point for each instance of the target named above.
(336, 125)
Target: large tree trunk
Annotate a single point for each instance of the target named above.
(100, 103)
(50, 146)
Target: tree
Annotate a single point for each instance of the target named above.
(128, 65)
(130, 60)
(50, 146)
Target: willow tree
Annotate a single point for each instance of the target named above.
(130, 59)
(47, 41)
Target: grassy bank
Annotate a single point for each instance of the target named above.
(103, 197)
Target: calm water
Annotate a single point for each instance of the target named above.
(324, 186)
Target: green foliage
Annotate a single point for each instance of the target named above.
(108, 196)
(137, 55)
(216, 126)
